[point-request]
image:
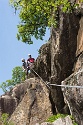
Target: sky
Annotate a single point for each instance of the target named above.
(12, 50)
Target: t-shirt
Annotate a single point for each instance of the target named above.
(31, 60)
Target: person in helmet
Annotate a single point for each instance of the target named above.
(30, 62)
(25, 66)
(30, 59)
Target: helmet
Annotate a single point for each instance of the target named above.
(29, 54)
(22, 60)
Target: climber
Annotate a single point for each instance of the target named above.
(25, 66)
(30, 59)
(30, 62)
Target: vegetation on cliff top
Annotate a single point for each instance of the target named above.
(36, 15)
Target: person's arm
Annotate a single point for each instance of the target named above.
(34, 59)
(23, 66)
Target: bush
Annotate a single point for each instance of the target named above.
(4, 119)
(55, 117)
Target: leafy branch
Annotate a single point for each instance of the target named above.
(36, 15)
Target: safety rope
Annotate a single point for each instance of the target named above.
(66, 86)
(40, 78)
(69, 86)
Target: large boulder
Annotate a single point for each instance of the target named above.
(74, 95)
(35, 105)
(10, 100)
(7, 104)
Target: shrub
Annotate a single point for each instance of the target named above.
(55, 117)
(4, 119)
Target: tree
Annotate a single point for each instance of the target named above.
(36, 15)
(18, 75)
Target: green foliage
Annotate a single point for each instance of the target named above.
(4, 118)
(3, 86)
(55, 117)
(36, 15)
(73, 120)
(18, 75)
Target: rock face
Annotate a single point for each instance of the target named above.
(80, 38)
(43, 62)
(35, 106)
(63, 43)
(7, 104)
(66, 48)
(10, 100)
(61, 49)
(74, 96)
